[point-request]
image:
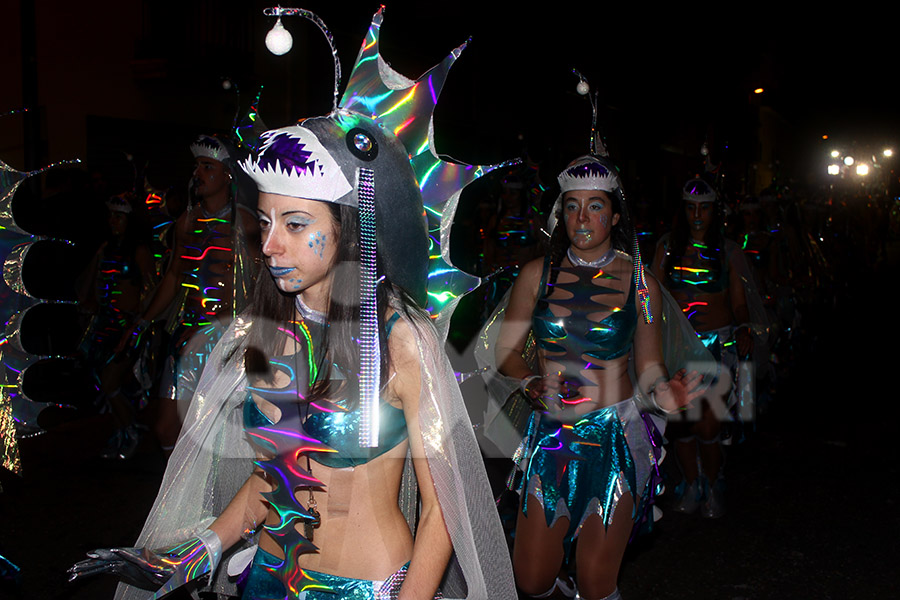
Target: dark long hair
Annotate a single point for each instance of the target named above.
(271, 308)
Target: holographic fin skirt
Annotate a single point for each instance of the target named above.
(585, 468)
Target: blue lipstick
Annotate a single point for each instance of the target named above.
(280, 271)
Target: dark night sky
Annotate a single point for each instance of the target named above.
(659, 74)
(668, 77)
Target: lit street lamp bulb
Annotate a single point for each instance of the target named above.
(279, 40)
(888, 152)
(835, 154)
(848, 160)
(834, 170)
(862, 170)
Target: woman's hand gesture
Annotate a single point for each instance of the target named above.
(678, 392)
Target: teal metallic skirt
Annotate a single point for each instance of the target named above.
(585, 468)
(262, 585)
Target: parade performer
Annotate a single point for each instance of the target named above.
(591, 451)
(583, 428)
(208, 278)
(709, 278)
(119, 278)
(336, 381)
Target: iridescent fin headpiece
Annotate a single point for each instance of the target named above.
(18, 413)
(405, 108)
(248, 127)
(379, 136)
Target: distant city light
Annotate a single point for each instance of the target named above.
(848, 160)
(862, 170)
(835, 154)
(888, 152)
(834, 169)
(825, 137)
(758, 91)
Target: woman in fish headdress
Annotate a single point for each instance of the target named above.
(339, 379)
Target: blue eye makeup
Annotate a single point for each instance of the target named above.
(298, 222)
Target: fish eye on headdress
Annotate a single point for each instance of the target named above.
(361, 144)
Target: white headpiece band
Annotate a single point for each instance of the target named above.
(587, 173)
(697, 190)
(209, 147)
(302, 169)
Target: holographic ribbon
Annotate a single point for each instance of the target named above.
(640, 283)
(405, 107)
(370, 350)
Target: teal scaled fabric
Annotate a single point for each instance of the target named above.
(579, 464)
(604, 340)
(331, 423)
(261, 584)
(340, 431)
(576, 335)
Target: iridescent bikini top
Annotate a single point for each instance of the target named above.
(329, 422)
(576, 335)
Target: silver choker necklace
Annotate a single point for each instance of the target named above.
(594, 264)
(309, 314)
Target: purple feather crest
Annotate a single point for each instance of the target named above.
(290, 153)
